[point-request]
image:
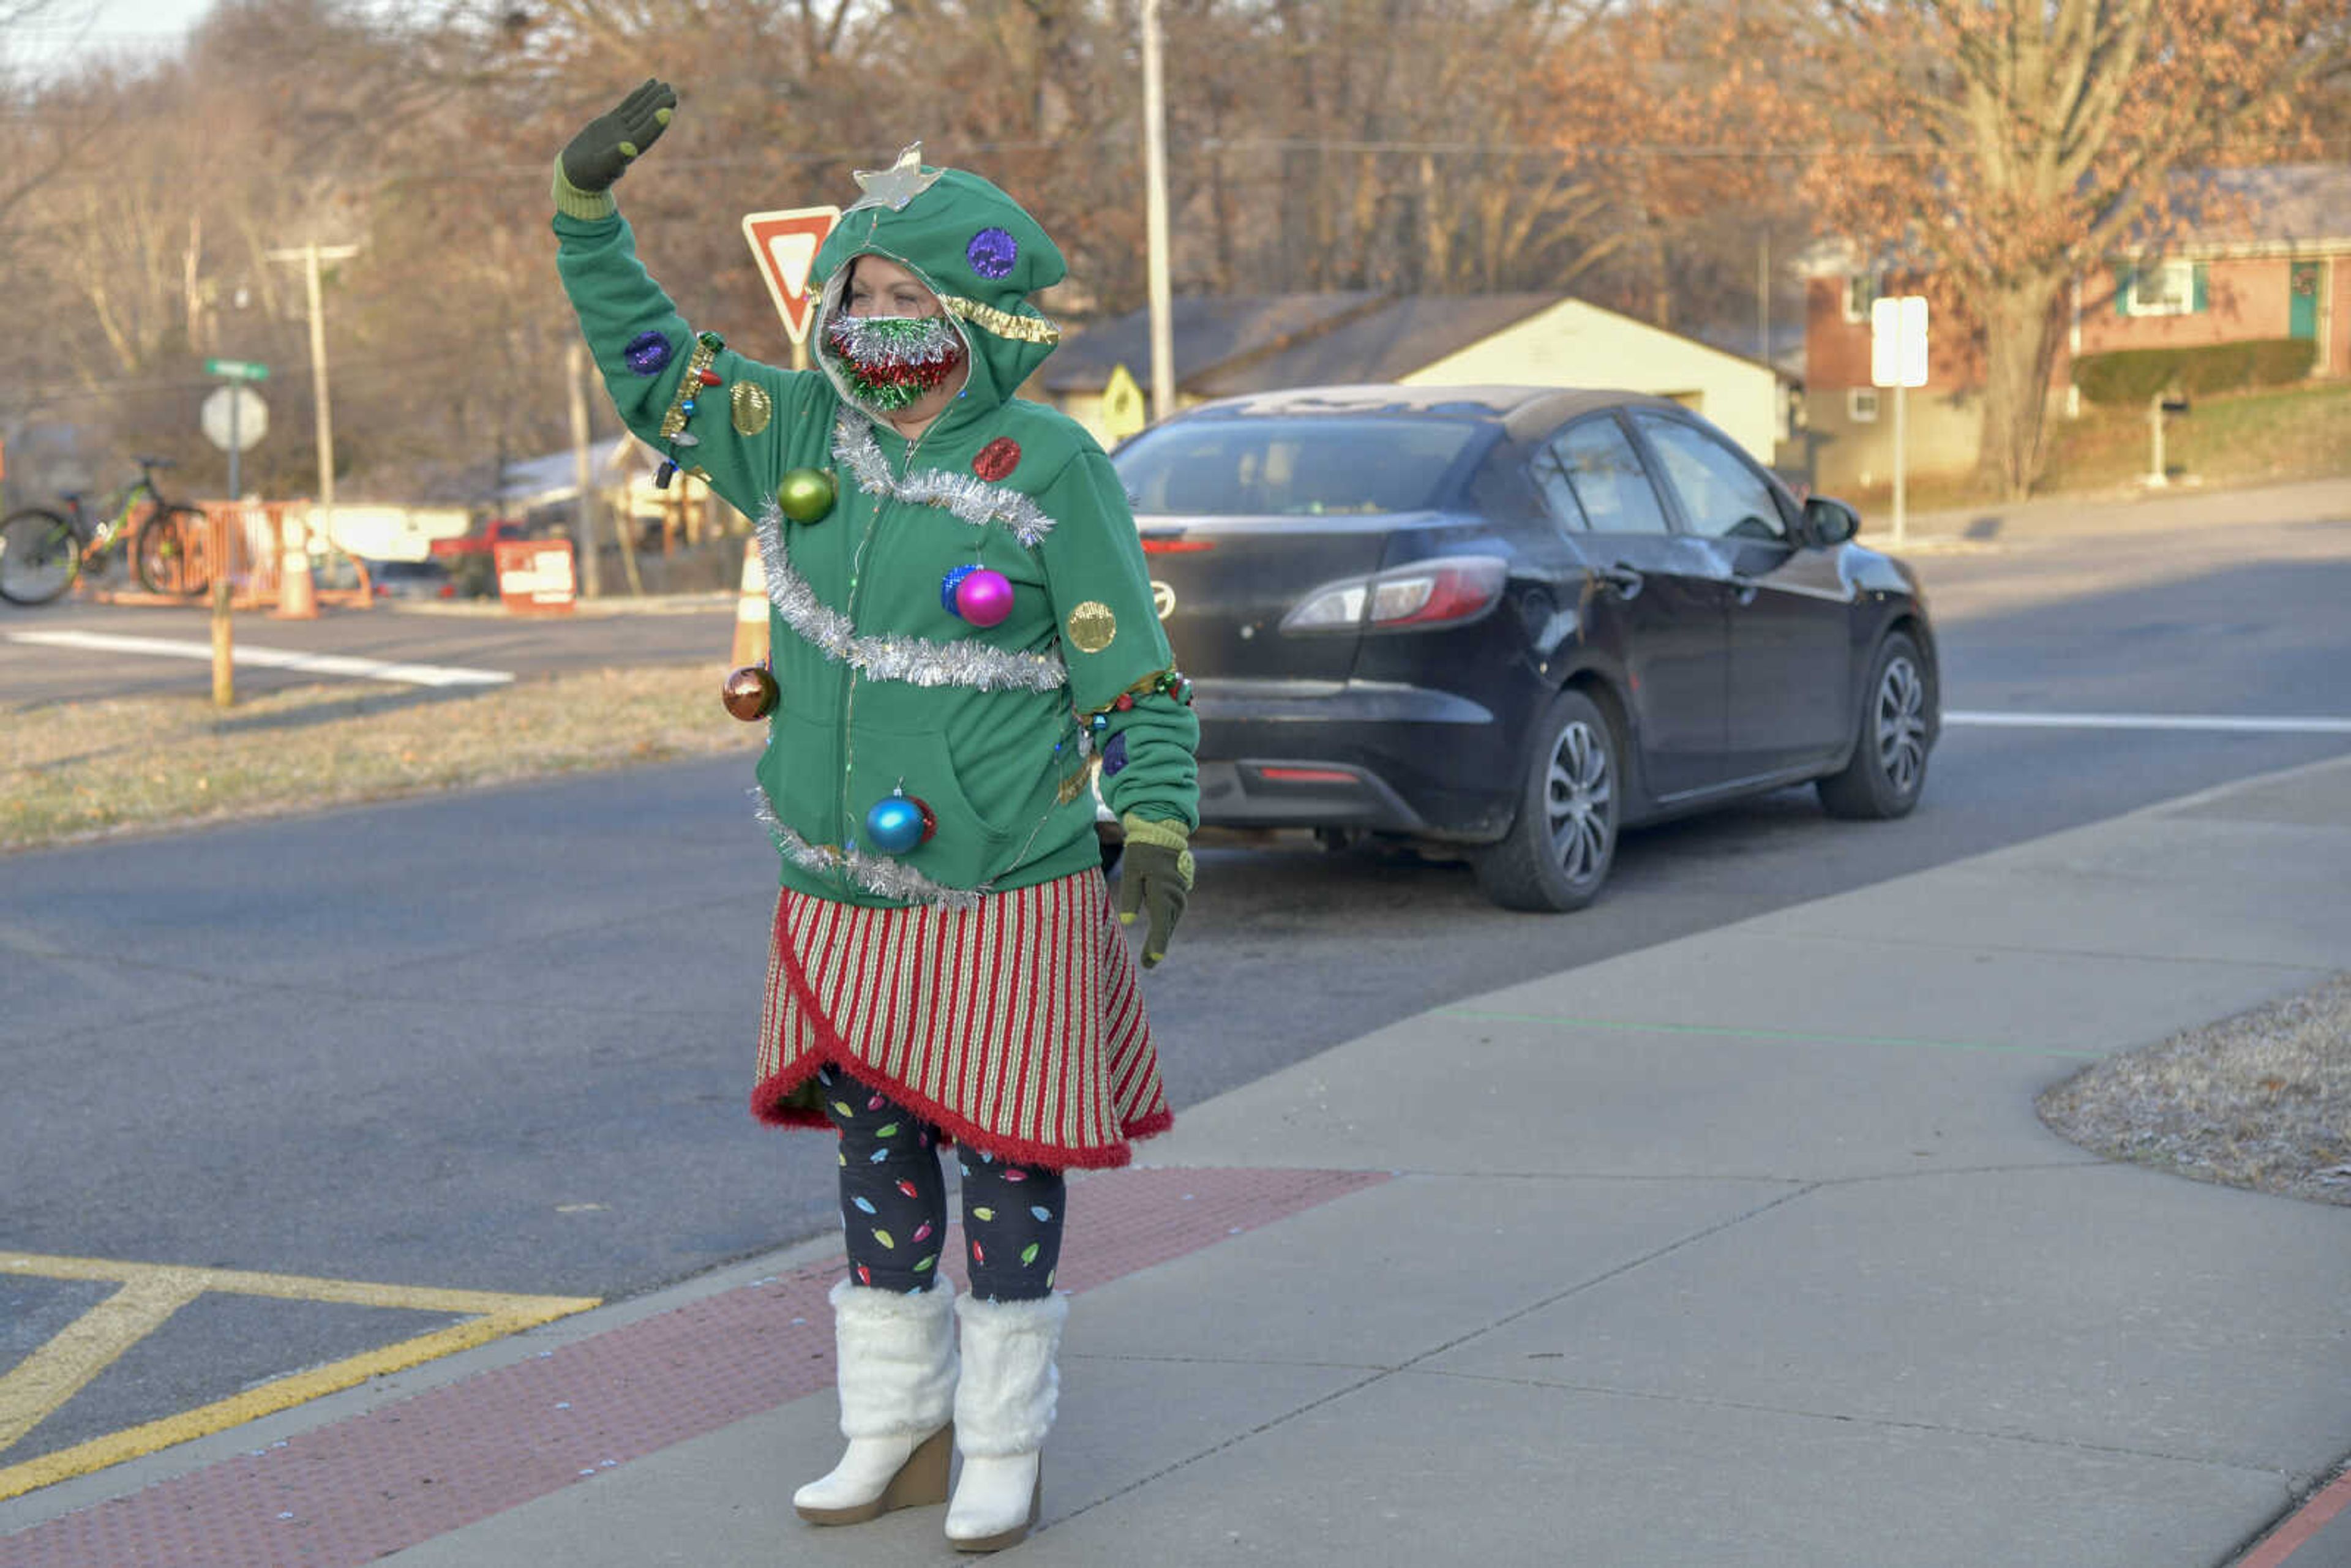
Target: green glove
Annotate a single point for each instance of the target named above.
(602, 153)
(1157, 877)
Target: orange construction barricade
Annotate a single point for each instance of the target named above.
(751, 609)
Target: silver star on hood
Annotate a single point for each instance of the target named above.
(895, 187)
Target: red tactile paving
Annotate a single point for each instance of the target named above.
(347, 1493)
(2308, 1523)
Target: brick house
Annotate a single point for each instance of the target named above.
(2278, 268)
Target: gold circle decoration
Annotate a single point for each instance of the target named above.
(1091, 627)
(750, 407)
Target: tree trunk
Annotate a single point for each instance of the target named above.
(2021, 335)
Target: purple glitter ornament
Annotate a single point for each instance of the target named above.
(1114, 754)
(647, 353)
(992, 252)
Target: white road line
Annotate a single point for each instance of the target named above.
(272, 658)
(2208, 721)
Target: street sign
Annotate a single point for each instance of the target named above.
(1123, 411)
(237, 369)
(235, 418)
(1898, 340)
(785, 244)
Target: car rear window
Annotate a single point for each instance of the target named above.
(1266, 468)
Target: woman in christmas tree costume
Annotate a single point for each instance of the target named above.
(963, 630)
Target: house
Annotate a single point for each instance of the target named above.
(2274, 262)
(1225, 346)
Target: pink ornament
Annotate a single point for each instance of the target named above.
(984, 597)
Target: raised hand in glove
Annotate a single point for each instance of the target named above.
(602, 153)
(1154, 878)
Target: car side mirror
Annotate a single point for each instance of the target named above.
(1829, 522)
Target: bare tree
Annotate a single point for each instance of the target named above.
(2013, 147)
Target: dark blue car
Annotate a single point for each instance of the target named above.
(1519, 621)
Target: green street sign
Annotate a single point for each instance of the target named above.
(237, 369)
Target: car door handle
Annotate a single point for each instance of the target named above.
(1620, 577)
(1747, 586)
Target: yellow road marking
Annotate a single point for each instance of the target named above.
(151, 1292)
(89, 1345)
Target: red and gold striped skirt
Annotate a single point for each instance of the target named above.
(1017, 1027)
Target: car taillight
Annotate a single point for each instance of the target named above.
(1177, 547)
(1426, 593)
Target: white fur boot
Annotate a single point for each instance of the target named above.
(897, 1380)
(1003, 1408)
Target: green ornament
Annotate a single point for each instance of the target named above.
(806, 495)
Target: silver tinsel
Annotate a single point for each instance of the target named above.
(870, 342)
(967, 496)
(877, 874)
(917, 661)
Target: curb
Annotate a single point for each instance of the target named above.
(2298, 1528)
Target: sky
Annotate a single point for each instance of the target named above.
(81, 26)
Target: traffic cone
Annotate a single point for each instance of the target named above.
(297, 596)
(751, 609)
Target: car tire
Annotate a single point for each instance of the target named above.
(1570, 798)
(1895, 731)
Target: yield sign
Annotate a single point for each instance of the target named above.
(785, 244)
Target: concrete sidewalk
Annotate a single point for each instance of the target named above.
(2048, 518)
(1744, 1249)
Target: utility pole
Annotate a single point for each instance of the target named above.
(309, 255)
(583, 472)
(1154, 216)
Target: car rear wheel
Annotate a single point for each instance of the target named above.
(1559, 848)
(1889, 755)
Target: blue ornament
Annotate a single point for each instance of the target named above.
(992, 252)
(898, 822)
(949, 583)
(647, 353)
(687, 407)
(1114, 754)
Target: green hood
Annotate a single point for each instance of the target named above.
(973, 246)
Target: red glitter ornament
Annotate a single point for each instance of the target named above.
(997, 459)
(710, 378)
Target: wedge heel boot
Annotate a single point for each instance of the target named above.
(897, 1383)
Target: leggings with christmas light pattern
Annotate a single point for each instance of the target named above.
(894, 1202)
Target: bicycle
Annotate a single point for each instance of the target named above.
(43, 553)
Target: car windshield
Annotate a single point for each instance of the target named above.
(1314, 467)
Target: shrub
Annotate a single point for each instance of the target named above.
(2132, 376)
(2125, 376)
(2277, 360)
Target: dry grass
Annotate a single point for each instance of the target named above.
(2231, 439)
(2262, 1099)
(79, 771)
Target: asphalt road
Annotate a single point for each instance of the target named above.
(502, 1041)
(467, 636)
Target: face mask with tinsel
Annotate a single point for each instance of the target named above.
(891, 361)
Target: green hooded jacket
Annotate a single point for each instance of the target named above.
(883, 687)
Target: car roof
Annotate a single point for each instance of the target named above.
(1523, 411)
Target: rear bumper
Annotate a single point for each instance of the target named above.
(1353, 754)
